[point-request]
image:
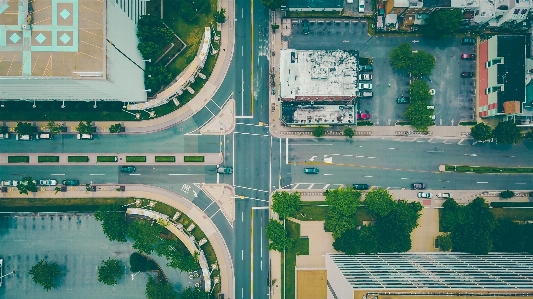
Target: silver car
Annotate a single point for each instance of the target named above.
(424, 195)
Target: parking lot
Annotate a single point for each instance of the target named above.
(454, 98)
(76, 243)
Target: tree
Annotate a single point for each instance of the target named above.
(24, 128)
(278, 237)
(27, 185)
(116, 128)
(274, 27)
(177, 259)
(419, 92)
(401, 56)
(507, 132)
(194, 293)
(450, 215)
(442, 23)
(285, 204)
(507, 194)
(159, 289)
(113, 222)
(445, 242)
(54, 128)
(529, 134)
(85, 127)
(45, 274)
(342, 205)
(141, 263)
(319, 131)
(421, 64)
(149, 50)
(508, 236)
(151, 28)
(273, 4)
(379, 202)
(145, 234)
(160, 76)
(481, 132)
(473, 232)
(110, 271)
(349, 132)
(220, 16)
(419, 116)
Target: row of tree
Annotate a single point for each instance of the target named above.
(84, 127)
(417, 112)
(505, 132)
(474, 229)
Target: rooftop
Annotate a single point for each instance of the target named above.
(323, 113)
(318, 73)
(512, 72)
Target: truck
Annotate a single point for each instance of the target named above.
(364, 94)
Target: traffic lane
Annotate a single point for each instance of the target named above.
(86, 174)
(159, 174)
(260, 254)
(242, 249)
(324, 35)
(250, 170)
(398, 179)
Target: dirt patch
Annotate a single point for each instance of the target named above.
(311, 284)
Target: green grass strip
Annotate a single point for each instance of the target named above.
(106, 159)
(501, 204)
(135, 158)
(48, 159)
(468, 123)
(18, 159)
(193, 159)
(488, 169)
(77, 159)
(165, 159)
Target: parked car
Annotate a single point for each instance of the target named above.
(225, 170)
(10, 183)
(48, 182)
(468, 56)
(403, 100)
(366, 68)
(468, 41)
(364, 94)
(444, 195)
(363, 115)
(128, 169)
(424, 195)
(24, 137)
(418, 186)
(364, 85)
(360, 186)
(305, 26)
(361, 6)
(365, 77)
(71, 182)
(4, 135)
(85, 136)
(467, 74)
(44, 136)
(312, 170)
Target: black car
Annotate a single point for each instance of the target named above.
(71, 182)
(403, 100)
(418, 186)
(467, 74)
(128, 169)
(468, 41)
(360, 186)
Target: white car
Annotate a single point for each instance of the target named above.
(444, 195)
(361, 6)
(85, 136)
(365, 77)
(424, 195)
(47, 182)
(9, 183)
(364, 86)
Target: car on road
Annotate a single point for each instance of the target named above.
(24, 137)
(366, 68)
(312, 170)
(468, 56)
(467, 74)
(424, 195)
(468, 41)
(225, 170)
(418, 186)
(403, 100)
(44, 136)
(364, 85)
(305, 27)
(71, 182)
(360, 186)
(365, 77)
(363, 115)
(85, 136)
(128, 169)
(364, 94)
(10, 183)
(48, 182)
(444, 195)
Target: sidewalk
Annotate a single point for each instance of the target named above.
(162, 195)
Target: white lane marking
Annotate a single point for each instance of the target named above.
(295, 186)
(209, 205)
(482, 182)
(311, 144)
(286, 150)
(391, 148)
(372, 157)
(57, 174)
(368, 176)
(242, 216)
(328, 173)
(135, 174)
(430, 139)
(404, 178)
(357, 156)
(242, 254)
(96, 174)
(311, 186)
(326, 187)
(460, 141)
(184, 174)
(520, 183)
(261, 247)
(214, 214)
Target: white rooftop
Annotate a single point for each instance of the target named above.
(317, 73)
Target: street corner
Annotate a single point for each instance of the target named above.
(224, 196)
(223, 123)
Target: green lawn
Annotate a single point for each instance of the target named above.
(135, 158)
(106, 159)
(300, 247)
(58, 204)
(18, 159)
(78, 158)
(48, 159)
(520, 214)
(486, 169)
(312, 212)
(165, 159)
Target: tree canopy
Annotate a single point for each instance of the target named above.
(481, 132)
(273, 4)
(276, 233)
(418, 63)
(400, 57)
(445, 242)
(319, 131)
(145, 234)
(342, 205)
(113, 220)
(194, 293)
(184, 262)
(507, 132)
(419, 116)
(379, 202)
(27, 185)
(45, 274)
(54, 127)
(285, 204)
(116, 128)
(23, 128)
(141, 263)
(220, 16)
(110, 271)
(348, 132)
(419, 91)
(442, 23)
(159, 289)
(85, 127)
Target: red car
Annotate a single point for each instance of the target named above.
(468, 56)
(362, 116)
